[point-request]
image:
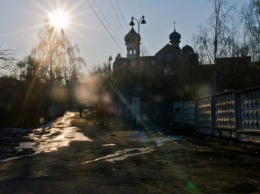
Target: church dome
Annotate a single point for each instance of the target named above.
(175, 35)
(132, 36)
(187, 50)
(175, 38)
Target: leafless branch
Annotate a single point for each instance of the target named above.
(6, 57)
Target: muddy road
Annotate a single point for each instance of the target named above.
(97, 154)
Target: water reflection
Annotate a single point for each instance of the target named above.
(130, 152)
(122, 154)
(51, 142)
(51, 137)
(159, 141)
(109, 144)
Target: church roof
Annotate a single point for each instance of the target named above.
(187, 50)
(166, 47)
(175, 35)
(132, 36)
(187, 47)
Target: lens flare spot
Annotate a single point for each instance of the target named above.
(42, 120)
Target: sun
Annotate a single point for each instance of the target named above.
(59, 19)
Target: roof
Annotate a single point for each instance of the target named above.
(175, 35)
(132, 36)
(187, 49)
(166, 47)
(234, 61)
(144, 60)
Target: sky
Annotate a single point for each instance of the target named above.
(100, 33)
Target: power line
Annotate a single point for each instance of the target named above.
(104, 25)
(117, 16)
(122, 15)
(108, 23)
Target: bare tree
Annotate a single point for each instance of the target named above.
(57, 55)
(103, 73)
(29, 68)
(203, 45)
(144, 51)
(251, 18)
(217, 39)
(6, 58)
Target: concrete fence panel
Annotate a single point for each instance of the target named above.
(248, 115)
(178, 114)
(224, 114)
(203, 115)
(189, 113)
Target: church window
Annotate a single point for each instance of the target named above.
(169, 56)
(168, 71)
(131, 50)
(153, 62)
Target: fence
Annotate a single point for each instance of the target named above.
(230, 114)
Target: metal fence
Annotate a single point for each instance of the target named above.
(229, 114)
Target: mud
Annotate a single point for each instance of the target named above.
(98, 154)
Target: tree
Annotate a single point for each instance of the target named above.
(104, 75)
(57, 55)
(218, 37)
(6, 58)
(251, 18)
(118, 83)
(144, 51)
(30, 68)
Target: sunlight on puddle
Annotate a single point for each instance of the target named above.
(122, 154)
(59, 133)
(130, 152)
(63, 121)
(109, 144)
(51, 142)
(51, 137)
(16, 157)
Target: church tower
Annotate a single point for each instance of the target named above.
(175, 38)
(131, 41)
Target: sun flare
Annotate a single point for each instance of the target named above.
(58, 19)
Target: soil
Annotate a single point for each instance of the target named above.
(120, 158)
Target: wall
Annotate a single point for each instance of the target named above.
(230, 114)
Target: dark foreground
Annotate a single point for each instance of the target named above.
(116, 158)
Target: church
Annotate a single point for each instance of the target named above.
(146, 86)
(160, 76)
(175, 73)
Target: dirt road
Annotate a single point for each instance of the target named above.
(97, 154)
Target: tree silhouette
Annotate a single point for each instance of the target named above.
(6, 58)
(251, 18)
(57, 55)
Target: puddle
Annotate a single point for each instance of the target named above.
(130, 152)
(59, 133)
(109, 144)
(50, 142)
(122, 155)
(51, 137)
(159, 141)
(63, 121)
